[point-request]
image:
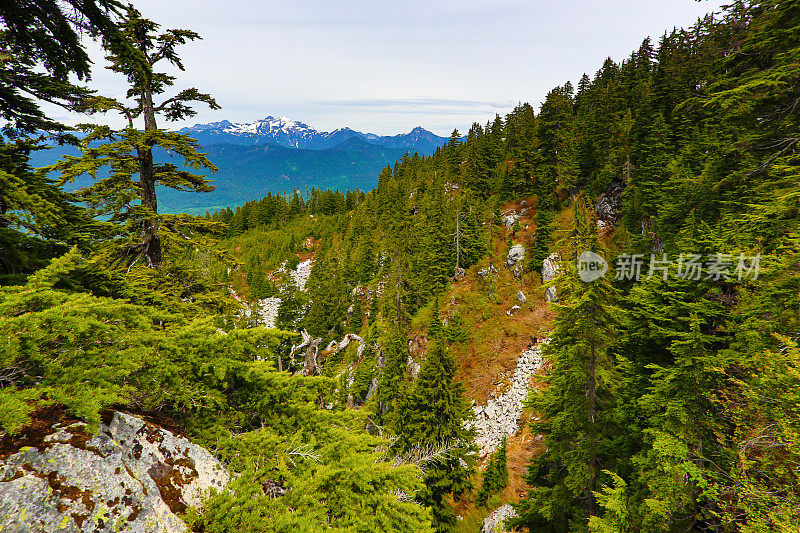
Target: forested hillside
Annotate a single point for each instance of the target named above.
(660, 412)
(660, 394)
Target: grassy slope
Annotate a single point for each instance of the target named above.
(495, 341)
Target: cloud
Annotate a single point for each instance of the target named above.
(390, 65)
(417, 103)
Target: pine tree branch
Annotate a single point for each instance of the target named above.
(789, 144)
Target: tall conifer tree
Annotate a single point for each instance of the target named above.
(576, 406)
(432, 414)
(132, 151)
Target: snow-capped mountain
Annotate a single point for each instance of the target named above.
(295, 134)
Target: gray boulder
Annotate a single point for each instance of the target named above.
(550, 271)
(494, 522)
(132, 476)
(515, 255)
(521, 296)
(508, 220)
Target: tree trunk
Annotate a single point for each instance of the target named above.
(591, 394)
(151, 241)
(310, 365)
(591, 397)
(458, 243)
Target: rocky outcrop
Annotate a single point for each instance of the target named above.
(500, 416)
(268, 311)
(515, 255)
(494, 522)
(609, 204)
(550, 271)
(413, 367)
(301, 273)
(132, 476)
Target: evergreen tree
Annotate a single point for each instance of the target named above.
(495, 478)
(327, 294)
(394, 373)
(520, 147)
(643, 191)
(37, 219)
(454, 153)
(576, 407)
(132, 151)
(681, 438)
(89, 352)
(434, 263)
(40, 50)
(475, 170)
(432, 414)
(541, 240)
(756, 94)
(436, 328)
(472, 239)
(328, 473)
(366, 263)
(556, 156)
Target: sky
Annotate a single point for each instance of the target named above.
(385, 67)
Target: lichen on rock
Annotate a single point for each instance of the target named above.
(131, 476)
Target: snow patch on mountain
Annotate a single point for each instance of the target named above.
(289, 133)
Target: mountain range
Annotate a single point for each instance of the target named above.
(283, 131)
(275, 155)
